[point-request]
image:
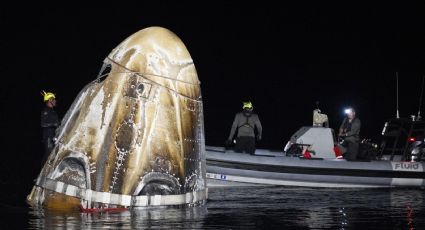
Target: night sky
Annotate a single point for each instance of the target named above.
(281, 57)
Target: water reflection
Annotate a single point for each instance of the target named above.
(411, 201)
(169, 218)
(264, 208)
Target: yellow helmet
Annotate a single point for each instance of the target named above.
(47, 96)
(247, 105)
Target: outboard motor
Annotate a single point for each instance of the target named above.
(416, 151)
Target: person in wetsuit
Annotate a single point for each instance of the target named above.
(349, 131)
(245, 123)
(49, 122)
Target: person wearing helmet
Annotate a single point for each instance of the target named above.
(49, 123)
(349, 132)
(245, 122)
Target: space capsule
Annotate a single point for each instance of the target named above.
(133, 137)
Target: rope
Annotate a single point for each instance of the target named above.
(148, 79)
(156, 75)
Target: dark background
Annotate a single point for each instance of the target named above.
(282, 57)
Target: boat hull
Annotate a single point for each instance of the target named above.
(270, 168)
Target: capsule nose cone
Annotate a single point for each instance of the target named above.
(156, 51)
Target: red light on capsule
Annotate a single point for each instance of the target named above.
(412, 139)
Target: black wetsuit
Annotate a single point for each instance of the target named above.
(49, 122)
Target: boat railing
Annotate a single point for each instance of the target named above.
(397, 136)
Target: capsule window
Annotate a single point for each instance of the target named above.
(143, 89)
(140, 88)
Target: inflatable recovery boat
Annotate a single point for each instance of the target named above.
(321, 167)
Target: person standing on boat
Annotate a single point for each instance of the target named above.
(49, 122)
(349, 131)
(245, 122)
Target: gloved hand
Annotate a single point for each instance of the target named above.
(258, 137)
(228, 142)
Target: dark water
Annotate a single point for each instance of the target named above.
(274, 207)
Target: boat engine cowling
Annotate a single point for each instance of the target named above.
(416, 151)
(318, 141)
